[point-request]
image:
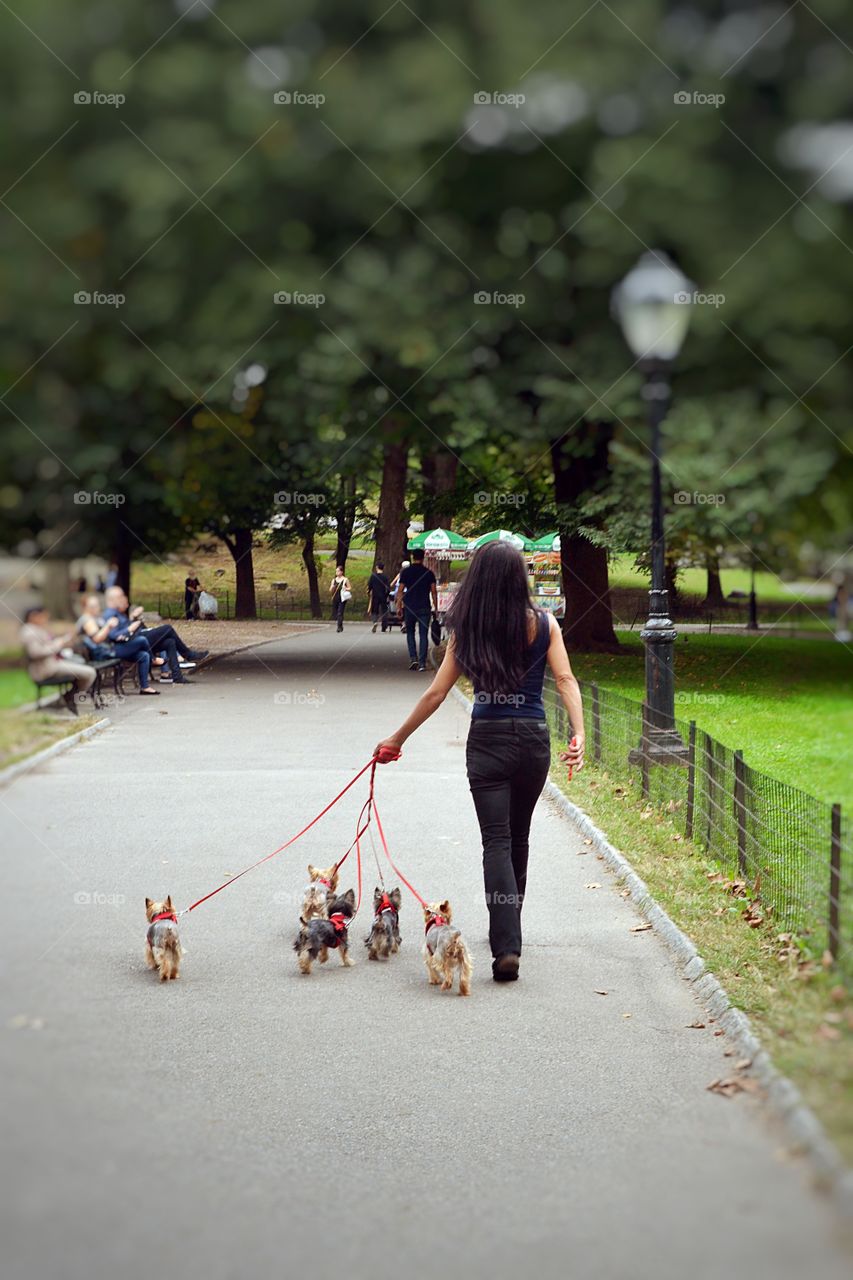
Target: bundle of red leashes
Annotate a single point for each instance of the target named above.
(369, 813)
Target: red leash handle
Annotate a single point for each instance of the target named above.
(571, 744)
(370, 765)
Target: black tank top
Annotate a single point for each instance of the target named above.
(526, 703)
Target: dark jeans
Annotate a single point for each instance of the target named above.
(412, 619)
(338, 609)
(166, 638)
(508, 763)
(379, 613)
(138, 650)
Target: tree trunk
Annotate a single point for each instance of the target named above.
(714, 598)
(56, 588)
(439, 473)
(392, 521)
(123, 552)
(239, 543)
(313, 579)
(580, 466)
(345, 519)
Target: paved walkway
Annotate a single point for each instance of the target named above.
(247, 1121)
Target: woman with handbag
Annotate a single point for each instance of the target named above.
(340, 591)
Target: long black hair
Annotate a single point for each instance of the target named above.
(490, 619)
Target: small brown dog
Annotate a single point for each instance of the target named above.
(163, 948)
(318, 893)
(444, 949)
(324, 933)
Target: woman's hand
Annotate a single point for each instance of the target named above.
(574, 753)
(387, 750)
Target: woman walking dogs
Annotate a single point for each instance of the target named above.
(340, 591)
(501, 642)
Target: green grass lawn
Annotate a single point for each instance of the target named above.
(788, 704)
(769, 588)
(16, 688)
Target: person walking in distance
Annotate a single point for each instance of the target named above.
(340, 591)
(378, 588)
(502, 643)
(417, 600)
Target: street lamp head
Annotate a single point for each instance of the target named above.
(652, 304)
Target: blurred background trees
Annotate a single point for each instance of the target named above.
(383, 213)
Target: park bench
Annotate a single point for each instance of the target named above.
(117, 667)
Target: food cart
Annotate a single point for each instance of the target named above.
(545, 575)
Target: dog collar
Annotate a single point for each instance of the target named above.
(165, 915)
(438, 921)
(338, 921)
(385, 905)
(320, 880)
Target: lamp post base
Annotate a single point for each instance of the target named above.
(663, 747)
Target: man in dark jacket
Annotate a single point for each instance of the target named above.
(378, 587)
(417, 599)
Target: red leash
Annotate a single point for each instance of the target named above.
(395, 868)
(371, 764)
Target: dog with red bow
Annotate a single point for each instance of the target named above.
(163, 948)
(322, 934)
(444, 950)
(321, 887)
(384, 937)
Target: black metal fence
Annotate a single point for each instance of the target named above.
(793, 850)
(270, 605)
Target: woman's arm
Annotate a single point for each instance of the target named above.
(567, 687)
(429, 702)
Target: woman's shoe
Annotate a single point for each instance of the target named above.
(505, 967)
(151, 692)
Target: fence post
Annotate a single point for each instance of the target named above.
(596, 725)
(740, 812)
(835, 883)
(691, 781)
(644, 752)
(710, 787)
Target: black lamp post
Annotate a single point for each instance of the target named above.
(652, 305)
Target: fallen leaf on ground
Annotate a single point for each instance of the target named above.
(744, 1064)
(592, 885)
(695, 1026)
(587, 841)
(718, 1032)
(825, 1032)
(838, 994)
(626, 1015)
(626, 893)
(640, 928)
(600, 993)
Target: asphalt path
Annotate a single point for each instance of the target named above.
(249, 1121)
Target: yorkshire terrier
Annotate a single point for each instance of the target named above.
(320, 933)
(317, 894)
(384, 937)
(444, 949)
(163, 948)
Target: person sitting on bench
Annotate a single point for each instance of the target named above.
(96, 635)
(163, 637)
(44, 663)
